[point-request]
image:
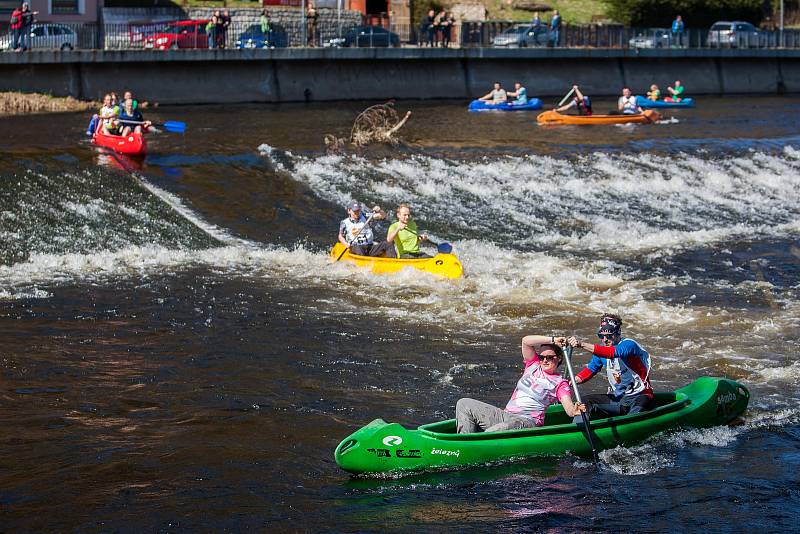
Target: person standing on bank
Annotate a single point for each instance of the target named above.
(428, 28)
(355, 232)
(678, 28)
(540, 386)
(311, 25)
(404, 236)
(627, 367)
(555, 28)
(27, 19)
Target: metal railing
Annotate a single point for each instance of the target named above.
(249, 35)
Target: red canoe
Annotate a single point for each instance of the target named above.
(133, 144)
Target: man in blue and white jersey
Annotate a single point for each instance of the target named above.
(356, 233)
(627, 368)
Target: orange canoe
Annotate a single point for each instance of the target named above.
(554, 117)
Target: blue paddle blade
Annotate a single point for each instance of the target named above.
(444, 248)
(174, 126)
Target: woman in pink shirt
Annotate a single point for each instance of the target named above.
(540, 386)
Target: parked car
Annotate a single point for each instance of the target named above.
(178, 34)
(366, 36)
(736, 34)
(55, 36)
(253, 37)
(651, 38)
(522, 36)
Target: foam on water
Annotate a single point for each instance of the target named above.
(610, 204)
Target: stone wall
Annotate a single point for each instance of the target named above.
(326, 74)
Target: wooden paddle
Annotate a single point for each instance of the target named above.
(568, 360)
(356, 236)
(566, 97)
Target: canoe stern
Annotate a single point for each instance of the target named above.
(717, 401)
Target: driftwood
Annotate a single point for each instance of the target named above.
(376, 124)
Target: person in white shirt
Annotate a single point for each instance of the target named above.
(627, 103)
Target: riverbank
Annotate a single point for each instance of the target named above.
(306, 75)
(13, 103)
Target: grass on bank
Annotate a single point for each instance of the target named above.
(572, 11)
(20, 103)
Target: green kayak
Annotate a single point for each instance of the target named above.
(383, 447)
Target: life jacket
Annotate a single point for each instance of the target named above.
(349, 229)
(16, 19)
(584, 106)
(623, 380)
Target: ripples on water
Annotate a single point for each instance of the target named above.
(179, 352)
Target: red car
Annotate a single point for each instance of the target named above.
(178, 34)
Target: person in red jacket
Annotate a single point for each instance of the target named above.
(16, 27)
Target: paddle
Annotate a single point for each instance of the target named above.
(441, 248)
(566, 97)
(356, 236)
(568, 360)
(170, 126)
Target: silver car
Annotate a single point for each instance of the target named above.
(522, 36)
(50, 36)
(736, 34)
(652, 38)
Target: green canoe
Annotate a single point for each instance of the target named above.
(383, 447)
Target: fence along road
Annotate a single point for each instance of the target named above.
(125, 36)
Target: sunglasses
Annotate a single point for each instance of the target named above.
(547, 357)
(605, 336)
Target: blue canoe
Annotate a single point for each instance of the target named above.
(646, 103)
(482, 105)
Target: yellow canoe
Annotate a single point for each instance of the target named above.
(446, 265)
(554, 117)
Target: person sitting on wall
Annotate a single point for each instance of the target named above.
(496, 96)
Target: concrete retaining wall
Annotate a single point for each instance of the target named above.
(291, 75)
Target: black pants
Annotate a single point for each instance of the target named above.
(373, 249)
(602, 406)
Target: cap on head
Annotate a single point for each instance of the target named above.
(610, 324)
(354, 205)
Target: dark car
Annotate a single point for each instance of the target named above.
(253, 37)
(367, 36)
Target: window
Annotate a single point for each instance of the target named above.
(66, 6)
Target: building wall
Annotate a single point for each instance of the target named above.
(87, 11)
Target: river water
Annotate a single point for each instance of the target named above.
(179, 354)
